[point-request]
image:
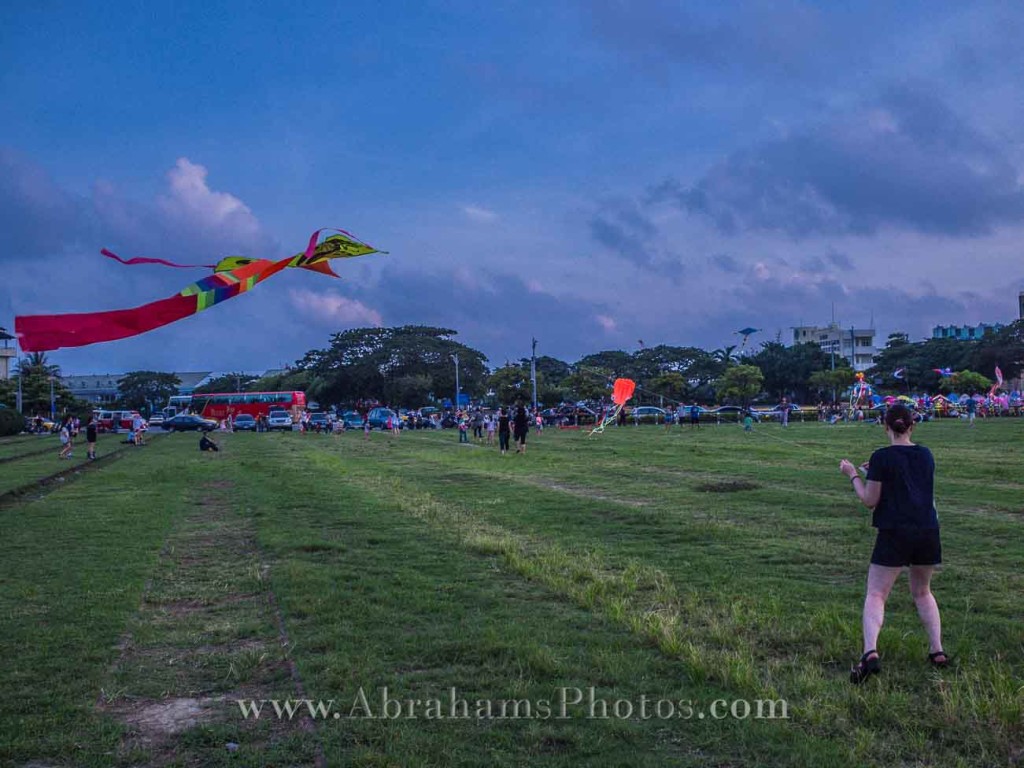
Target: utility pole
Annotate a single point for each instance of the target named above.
(533, 373)
(455, 357)
(53, 406)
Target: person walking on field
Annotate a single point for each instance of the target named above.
(65, 440)
(784, 411)
(899, 489)
(520, 424)
(90, 438)
(504, 431)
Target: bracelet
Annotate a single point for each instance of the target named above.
(855, 477)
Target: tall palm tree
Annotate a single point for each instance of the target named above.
(725, 354)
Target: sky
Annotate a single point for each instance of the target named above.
(591, 174)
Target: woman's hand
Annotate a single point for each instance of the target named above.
(847, 468)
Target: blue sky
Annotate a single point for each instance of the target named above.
(589, 173)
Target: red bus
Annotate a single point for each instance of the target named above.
(221, 405)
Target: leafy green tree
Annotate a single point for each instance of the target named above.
(671, 384)
(829, 384)
(38, 378)
(511, 383)
(787, 370)
(970, 383)
(588, 384)
(740, 383)
(231, 382)
(8, 392)
(376, 363)
(145, 391)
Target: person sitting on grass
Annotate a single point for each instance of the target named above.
(898, 488)
(207, 443)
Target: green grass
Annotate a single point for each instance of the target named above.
(674, 565)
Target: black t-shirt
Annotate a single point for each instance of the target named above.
(520, 422)
(90, 433)
(503, 423)
(907, 475)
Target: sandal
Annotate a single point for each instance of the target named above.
(933, 659)
(865, 668)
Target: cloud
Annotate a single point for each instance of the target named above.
(907, 162)
(191, 201)
(330, 308)
(37, 218)
(607, 323)
(480, 214)
(625, 229)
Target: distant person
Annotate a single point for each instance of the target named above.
(207, 443)
(65, 440)
(489, 425)
(972, 408)
(504, 430)
(748, 421)
(694, 416)
(784, 410)
(90, 439)
(138, 429)
(899, 490)
(520, 425)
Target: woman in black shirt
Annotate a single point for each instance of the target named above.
(898, 488)
(520, 425)
(503, 431)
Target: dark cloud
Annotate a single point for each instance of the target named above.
(726, 263)
(624, 229)
(906, 162)
(37, 217)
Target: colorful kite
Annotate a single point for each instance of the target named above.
(621, 392)
(232, 275)
(998, 384)
(860, 391)
(898, 374)
(944, 372)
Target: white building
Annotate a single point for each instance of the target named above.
(856, 345)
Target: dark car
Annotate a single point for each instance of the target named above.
(352, 420)
(378, 417)
(189, 423)
(318, 421)
(245, 423)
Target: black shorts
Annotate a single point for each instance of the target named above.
(897, 547)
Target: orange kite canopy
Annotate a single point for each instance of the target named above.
(624, 389)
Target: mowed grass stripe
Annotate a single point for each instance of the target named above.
(990, 686)
(380, 589)
(72, 570)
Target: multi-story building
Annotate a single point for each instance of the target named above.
(102, 388)
(856, 345)
(965, 332)
(7, 353)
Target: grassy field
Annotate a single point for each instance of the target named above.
(140, 600)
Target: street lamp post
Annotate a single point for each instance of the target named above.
(53, 406)
(533, 372)
(455, 357)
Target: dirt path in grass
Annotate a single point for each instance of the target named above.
(207, 635)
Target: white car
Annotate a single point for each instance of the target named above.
(279, 419)
(156, 420)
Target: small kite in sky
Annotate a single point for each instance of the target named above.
(944, 372)
(621, 393)
(746, 333)
(231, 276)
(898, 374)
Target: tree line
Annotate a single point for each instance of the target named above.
(415, 365)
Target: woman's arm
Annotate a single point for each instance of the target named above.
(868, 491)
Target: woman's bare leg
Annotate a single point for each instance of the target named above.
(880, 581)
(927, 608)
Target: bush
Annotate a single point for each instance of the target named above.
(11, 422)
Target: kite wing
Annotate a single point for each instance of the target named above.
(232, 276)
